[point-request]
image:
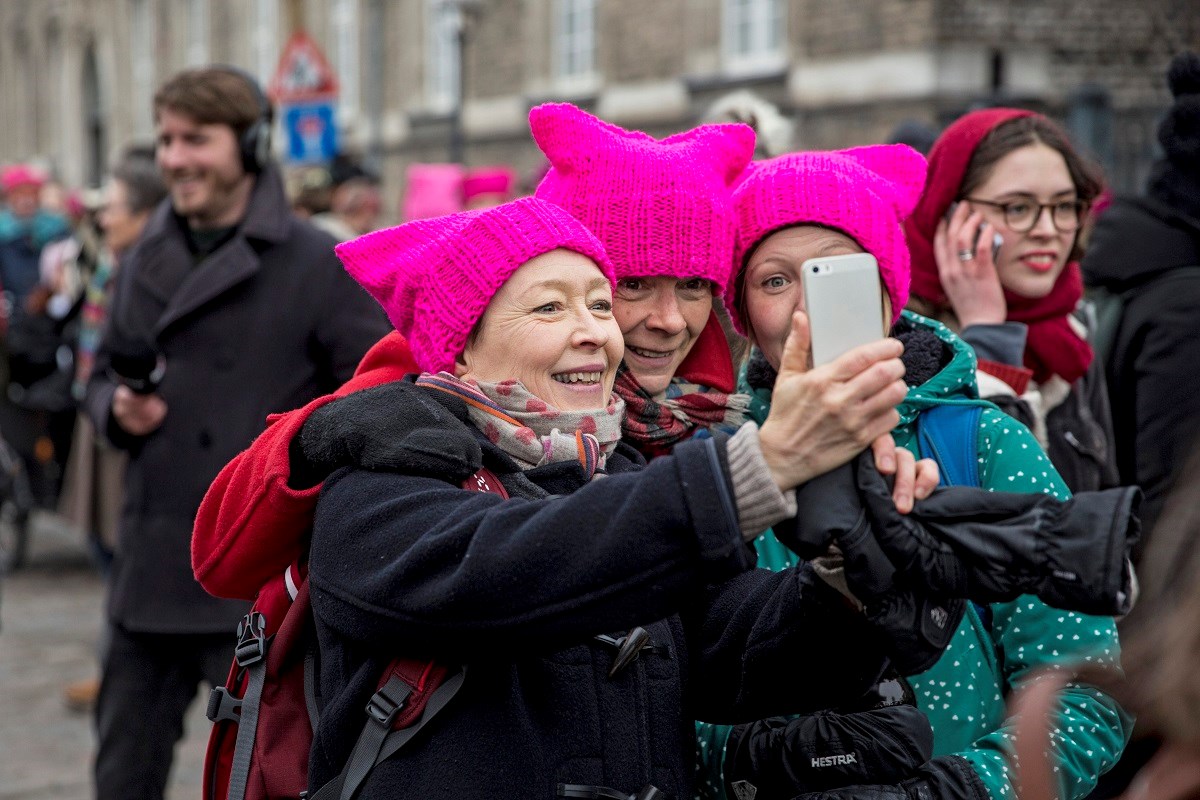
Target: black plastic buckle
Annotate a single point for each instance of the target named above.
(252, 640)
(222, 705)
(386, 703)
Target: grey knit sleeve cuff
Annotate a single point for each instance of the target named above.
(760, 503)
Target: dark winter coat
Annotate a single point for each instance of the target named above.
(263, 324)
(517, 589)
(1137, 247)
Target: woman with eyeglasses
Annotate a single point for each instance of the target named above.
(995, 243)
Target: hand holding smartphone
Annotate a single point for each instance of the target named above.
(997, 239)
(844, 301)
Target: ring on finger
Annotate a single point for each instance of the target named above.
(966, 255)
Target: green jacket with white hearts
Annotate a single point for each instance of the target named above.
(964, 693)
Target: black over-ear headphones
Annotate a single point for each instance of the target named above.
(255, 141)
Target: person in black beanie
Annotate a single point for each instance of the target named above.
(1146, 250)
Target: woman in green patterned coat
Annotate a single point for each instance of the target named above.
(807, 205)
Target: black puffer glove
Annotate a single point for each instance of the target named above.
(395, 426)
(942, 778)
(783, 756)
(994, 546)
(917, 624)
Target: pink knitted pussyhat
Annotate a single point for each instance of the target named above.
(660, 207)
(864, 192)
(435, 277)
(21, 175)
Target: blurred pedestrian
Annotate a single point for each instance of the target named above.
(485, 187)
(228, 308)
(1145, 250)
(94, 483)
(354, 209)
(995, 254)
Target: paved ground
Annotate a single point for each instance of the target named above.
(50, 613)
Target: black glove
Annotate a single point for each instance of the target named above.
(943, 778)
(782, 756)
(994, 546)
(395, 426)
(916, 623)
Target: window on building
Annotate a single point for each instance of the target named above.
(575, 40)
(197, 48)
(141, 40)
(753, 34)
(441, 54)
(266, 39)
(345, 58)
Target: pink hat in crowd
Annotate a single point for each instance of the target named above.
(864, 192)
(488, 180)
(21, 175)
(435, 277)
(431, 190)
(660, 207)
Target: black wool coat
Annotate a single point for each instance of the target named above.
(1138, 247)
(264, 324)
(517, 590)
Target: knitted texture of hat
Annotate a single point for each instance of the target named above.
(435, 277)
(661, 207)
(864, 192)
(1179, 132)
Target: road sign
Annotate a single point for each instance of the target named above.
(311, 131)
(303, 73)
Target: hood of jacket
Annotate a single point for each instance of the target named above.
(1136, 239)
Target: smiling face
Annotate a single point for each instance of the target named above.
(551, 327)
(1029, 263)
(660, 317)
(772, 289)
(202, 168)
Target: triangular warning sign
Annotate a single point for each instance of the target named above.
(303, 73)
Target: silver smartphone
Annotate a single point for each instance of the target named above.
(844, 301)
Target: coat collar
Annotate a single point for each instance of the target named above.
(165, 264)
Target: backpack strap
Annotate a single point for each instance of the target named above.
(410, 694)
(947, 434)
(251, 655)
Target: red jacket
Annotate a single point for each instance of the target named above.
(251, 525)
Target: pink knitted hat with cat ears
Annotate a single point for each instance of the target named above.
(435, 277)
(660, 207)
(864, 192)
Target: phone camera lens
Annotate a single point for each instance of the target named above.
(816, 269)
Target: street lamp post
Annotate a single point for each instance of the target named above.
(462, 10)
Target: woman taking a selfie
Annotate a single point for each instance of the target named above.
(508, 312)
(815, 205)
(662, 210)
(995, 249)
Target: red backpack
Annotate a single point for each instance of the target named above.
(265, 714)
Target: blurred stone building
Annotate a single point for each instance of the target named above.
(77, 76)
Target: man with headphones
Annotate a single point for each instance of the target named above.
(229, 308)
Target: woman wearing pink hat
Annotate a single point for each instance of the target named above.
(995, 249)
(508, 313)
(662, 210)
(805, 205)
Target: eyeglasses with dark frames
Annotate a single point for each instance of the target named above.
(1022, 215)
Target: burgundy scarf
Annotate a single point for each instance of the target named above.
(1052, 346)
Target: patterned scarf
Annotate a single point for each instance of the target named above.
(531, 432)
(655, 426)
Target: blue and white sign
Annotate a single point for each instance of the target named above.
(311, 130)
